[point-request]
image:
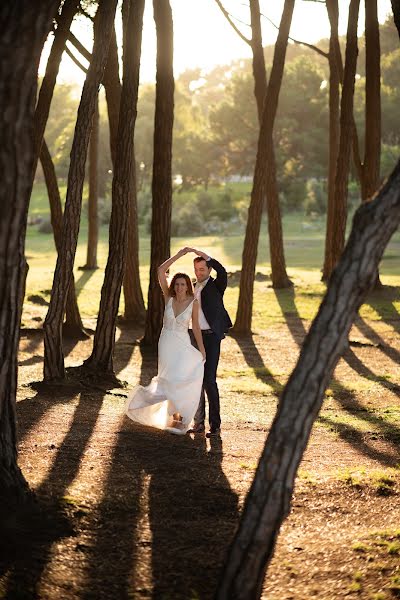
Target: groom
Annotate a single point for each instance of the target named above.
(214, 323)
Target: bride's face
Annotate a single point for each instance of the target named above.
(180, 287)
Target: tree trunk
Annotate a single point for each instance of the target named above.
(64, 20)
(265, 156)
(134, 304)
(396, 14)
(53, 351)
(73, 326)
(259, 72)
(346, 129)
(334, 117)
(93, 223)
(102, 356)
(372, 151)
(268, 501)
(162, 176)
(133, 298)
(26, 25)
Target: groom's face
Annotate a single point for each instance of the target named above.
(201, 270)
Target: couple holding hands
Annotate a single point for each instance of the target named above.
(195, 322)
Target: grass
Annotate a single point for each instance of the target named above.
(304, 248)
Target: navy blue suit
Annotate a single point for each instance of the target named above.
(214, 311)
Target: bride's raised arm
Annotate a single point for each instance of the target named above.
(163, 268)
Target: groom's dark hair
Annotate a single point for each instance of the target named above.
(200, 259)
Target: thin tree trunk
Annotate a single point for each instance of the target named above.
(334, 118)
(23, 31)
(162, 176)
(268, 501)
(93, 222)
(53, 354)
(101, 359)
(134, 303)
(73, 326)
(346, 129)
(64, 20)
(372, 151)
(265, 156)
(396, 14)
(258, 63)
(133, 297)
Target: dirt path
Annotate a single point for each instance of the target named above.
(138, 513)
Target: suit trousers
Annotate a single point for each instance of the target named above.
(212, 345)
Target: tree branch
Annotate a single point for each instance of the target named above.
(79, 46)
(311, 46)
(75, 60)
(232, 24)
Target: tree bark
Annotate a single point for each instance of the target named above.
(268, 501)
(93, 222)
(53, 355)
(334, 129)
(24, 27)
(372, 151)
(162, 175)
(258, 63)
(265, 179)
(64, 20)
(134, 304)
(346, 130)
(396, 14)
(73, 326)
(101, 358)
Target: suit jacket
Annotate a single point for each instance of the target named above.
(212, 302)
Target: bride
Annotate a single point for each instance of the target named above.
(172, 398)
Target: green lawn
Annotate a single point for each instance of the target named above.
(304, 248)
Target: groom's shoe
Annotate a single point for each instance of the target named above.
(213, 431)
(199, 428)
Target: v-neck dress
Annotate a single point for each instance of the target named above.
(177, 385)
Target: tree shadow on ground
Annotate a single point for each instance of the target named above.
(254, 360)
(387, 311)
(192, 511)
(51, 523)
(84, 277)
(375, 338)
(344, 396)
(125, 344)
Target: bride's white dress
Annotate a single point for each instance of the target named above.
(177, 386)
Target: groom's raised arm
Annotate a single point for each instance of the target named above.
(221, 281)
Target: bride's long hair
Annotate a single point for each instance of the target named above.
(189, 291)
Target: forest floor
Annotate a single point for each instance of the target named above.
(131, 512)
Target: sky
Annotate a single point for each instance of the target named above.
(203, 38)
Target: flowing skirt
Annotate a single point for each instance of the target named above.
(176, 387)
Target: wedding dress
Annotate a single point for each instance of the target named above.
(177, 386)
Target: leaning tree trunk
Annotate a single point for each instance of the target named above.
(268, 501)
(346, 131)
(24, 27)
(53, 351)
(73, 326)
(133, 297)
(134, 304)
(162, 175)
(64, 20)
(101, 358)
(265, 156)
(334, 117)
(93, 221)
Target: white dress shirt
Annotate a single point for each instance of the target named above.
(204, 324)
